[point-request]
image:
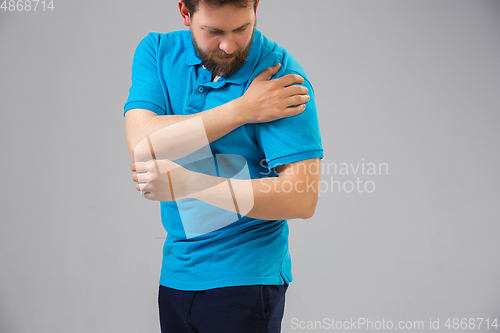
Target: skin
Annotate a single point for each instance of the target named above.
(226, 29)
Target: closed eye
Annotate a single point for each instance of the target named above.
(214, 31)
(243, 28)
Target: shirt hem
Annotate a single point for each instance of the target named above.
(224, 283)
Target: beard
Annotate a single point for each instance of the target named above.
(216, 66)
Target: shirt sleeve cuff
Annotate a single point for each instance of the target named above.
(144, 105)
(273, 163)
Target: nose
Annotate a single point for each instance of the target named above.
(227, 44)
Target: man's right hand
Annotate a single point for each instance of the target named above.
(267, 100)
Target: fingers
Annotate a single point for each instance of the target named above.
(144, 177)
(143, 166)
(295, 90)
(290, 79)
(275, 69)
(161, 166)
(293, 111)
(296, 100)
(148, 171)
(145, 172)
(144, 191)
(143, 187)
(268, 73)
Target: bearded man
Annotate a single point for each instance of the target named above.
(225, 87)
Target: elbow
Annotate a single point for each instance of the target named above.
(309, 206)
(133, 153)
(131, 145)
(307, 213)
(140, 151)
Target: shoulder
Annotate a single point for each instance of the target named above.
(273, 53)
(157, 42)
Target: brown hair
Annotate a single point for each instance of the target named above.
(192, 5)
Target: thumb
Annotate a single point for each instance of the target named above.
(268, 73)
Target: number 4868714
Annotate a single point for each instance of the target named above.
(27, 5)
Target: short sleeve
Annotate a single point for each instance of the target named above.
(292, 139)
(146, 91)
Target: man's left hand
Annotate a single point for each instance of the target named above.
(161, 180)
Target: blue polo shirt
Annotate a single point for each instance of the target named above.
(168, 79)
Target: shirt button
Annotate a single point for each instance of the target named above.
(201, 89)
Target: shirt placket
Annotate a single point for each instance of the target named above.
(202, 87)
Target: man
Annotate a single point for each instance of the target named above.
(224, 87)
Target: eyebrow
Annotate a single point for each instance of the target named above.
(219, 30)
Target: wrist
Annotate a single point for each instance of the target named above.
(238, 111)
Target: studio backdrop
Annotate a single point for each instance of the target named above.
(406, 231)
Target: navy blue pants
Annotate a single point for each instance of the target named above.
(241, 309)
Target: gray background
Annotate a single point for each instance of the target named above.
(414, 84)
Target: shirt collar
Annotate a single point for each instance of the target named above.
(243, 74)
(191, 58)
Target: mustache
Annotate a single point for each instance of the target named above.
(223, 54)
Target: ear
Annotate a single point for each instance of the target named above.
(256, 5)
(186, 15)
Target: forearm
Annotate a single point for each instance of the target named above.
(218, 121)
(175, 136)
(293, 194)
(276, 198)
(279, 198)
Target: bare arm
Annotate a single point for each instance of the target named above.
(141, 123)
(293, 194)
